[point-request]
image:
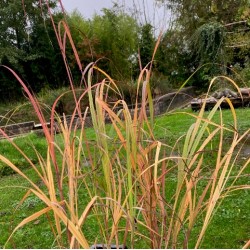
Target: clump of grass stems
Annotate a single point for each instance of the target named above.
(136, 189)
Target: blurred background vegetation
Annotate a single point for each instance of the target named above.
(213, 34)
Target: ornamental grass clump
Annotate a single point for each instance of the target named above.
(122, 186)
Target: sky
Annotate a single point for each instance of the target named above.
(87, 7)
(147, 9)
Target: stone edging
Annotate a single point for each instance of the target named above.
(161, 105)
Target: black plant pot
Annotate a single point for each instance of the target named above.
(104, 246)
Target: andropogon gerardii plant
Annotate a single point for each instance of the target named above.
(136, 189)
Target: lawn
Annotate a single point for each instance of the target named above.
(230, 227)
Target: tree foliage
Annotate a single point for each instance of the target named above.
(146, 44)
(209, 33)
(190, 14)
(173, 59)
(28, 45)
(110, 39)
(214, 32)
(208, 42)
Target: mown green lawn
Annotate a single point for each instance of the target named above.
(230, 227)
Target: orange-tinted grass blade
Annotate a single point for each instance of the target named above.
(247, 245)
(29, 219)
(23, 199)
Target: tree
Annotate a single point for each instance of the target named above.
(210, 30)
(146, 44)
(173, 59)
(190, 15)
(110, 39)
(28, 45)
